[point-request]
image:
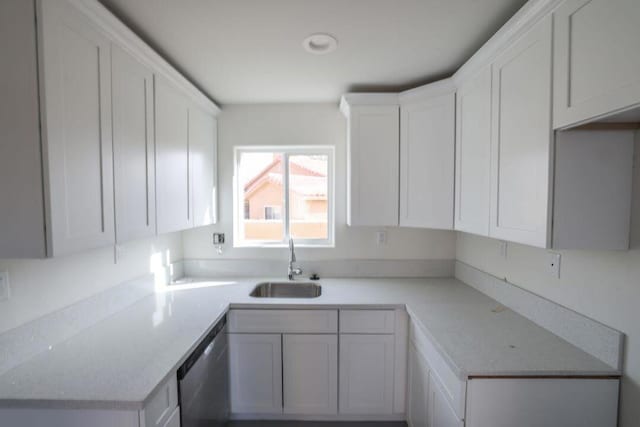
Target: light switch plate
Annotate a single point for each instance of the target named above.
(381, 238)
(553, 264)
(4, 285)
(503, 249)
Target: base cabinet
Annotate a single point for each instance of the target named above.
(255, 367)
(417, 409)
(310, 374)
(440, 413)
(366, 374)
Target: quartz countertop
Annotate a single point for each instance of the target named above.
(119, 362)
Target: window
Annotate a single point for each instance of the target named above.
(283, 192)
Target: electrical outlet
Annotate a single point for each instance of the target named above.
(381, 238)
(4, 285)
(553, 264)
(503, 249)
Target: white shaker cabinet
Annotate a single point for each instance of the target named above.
(310, 374)
(417, 408)
(596, 59)
(440, 412)
(203, 146)
(427, 143)
(473, 154)
(133, 147)
(173, 182)
(521, 150)
(373, 147)
(78, 153)
(366, 374)
(255, 364)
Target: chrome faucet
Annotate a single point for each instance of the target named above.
(292, 258)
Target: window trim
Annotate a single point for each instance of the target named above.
(286, 151)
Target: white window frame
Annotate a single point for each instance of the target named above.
(286, 151)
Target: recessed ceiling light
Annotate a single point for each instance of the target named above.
(320, 43)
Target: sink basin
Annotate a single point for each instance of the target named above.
(286, 290)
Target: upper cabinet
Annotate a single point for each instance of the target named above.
(597, 60)
(133, 147)
(172, 159)
(203, 150)
(522, 139)
(473, 154)
(427, 144)
(77, 140)
(80, 135)
(372, 159)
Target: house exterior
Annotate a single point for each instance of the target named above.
(263, 200)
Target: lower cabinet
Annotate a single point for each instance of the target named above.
(440, 412)
(417, 408)
(366, 374)
(310, 374)
(255, 365)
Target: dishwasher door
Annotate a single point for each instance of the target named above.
(204, 382)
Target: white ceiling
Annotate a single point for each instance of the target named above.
(250, 51)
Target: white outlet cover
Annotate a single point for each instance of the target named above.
(553, 264)
(4, 285)
(381, 238)
(503, 249)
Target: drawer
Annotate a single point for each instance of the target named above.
(367, 321)
(453, 388)
(162, 405)
(283, 321)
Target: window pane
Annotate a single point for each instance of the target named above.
(308, 196)
(260, 176)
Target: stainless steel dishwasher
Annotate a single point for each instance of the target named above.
(203, 381)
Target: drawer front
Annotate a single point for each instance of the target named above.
(283, 321)
(367, 321)
(162, 404)
(453, 387)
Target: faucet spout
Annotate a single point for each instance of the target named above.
(292, 272)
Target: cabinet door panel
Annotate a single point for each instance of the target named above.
(417, 410)
(427, 163)
(255, 362)
(373, 166)
(133, 147)
(473, 155)
(78, 144)
(172, 159)
(440, 412)
(597, 60)
(310, 376)
(366, 374)
(202, 166)
(522, 138)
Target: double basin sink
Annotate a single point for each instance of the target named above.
(286, 290)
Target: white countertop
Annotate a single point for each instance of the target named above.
(118, 362)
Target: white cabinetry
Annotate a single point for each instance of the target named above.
(473, 154)
(440, 412)
(173, 199)
(255, 373)
(160, 409)
(310, 374)
(522, 139)
(373, 122)
(366, 374)
(427, 142)
(78, 153)
(417, 408)
(133, 147)
(203, 146)
(597, 60)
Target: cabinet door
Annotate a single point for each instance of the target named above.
(310, 374)
(372, 169)
(77, 130)
(597, 60)
(427, 143)
(172, 159)
(255, 363)
(417, 409)
(522, 139)
(473, 154)
(203, 145)
(366, 374)
(133, 147)
(440, 412)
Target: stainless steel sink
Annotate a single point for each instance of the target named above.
(286, 290)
